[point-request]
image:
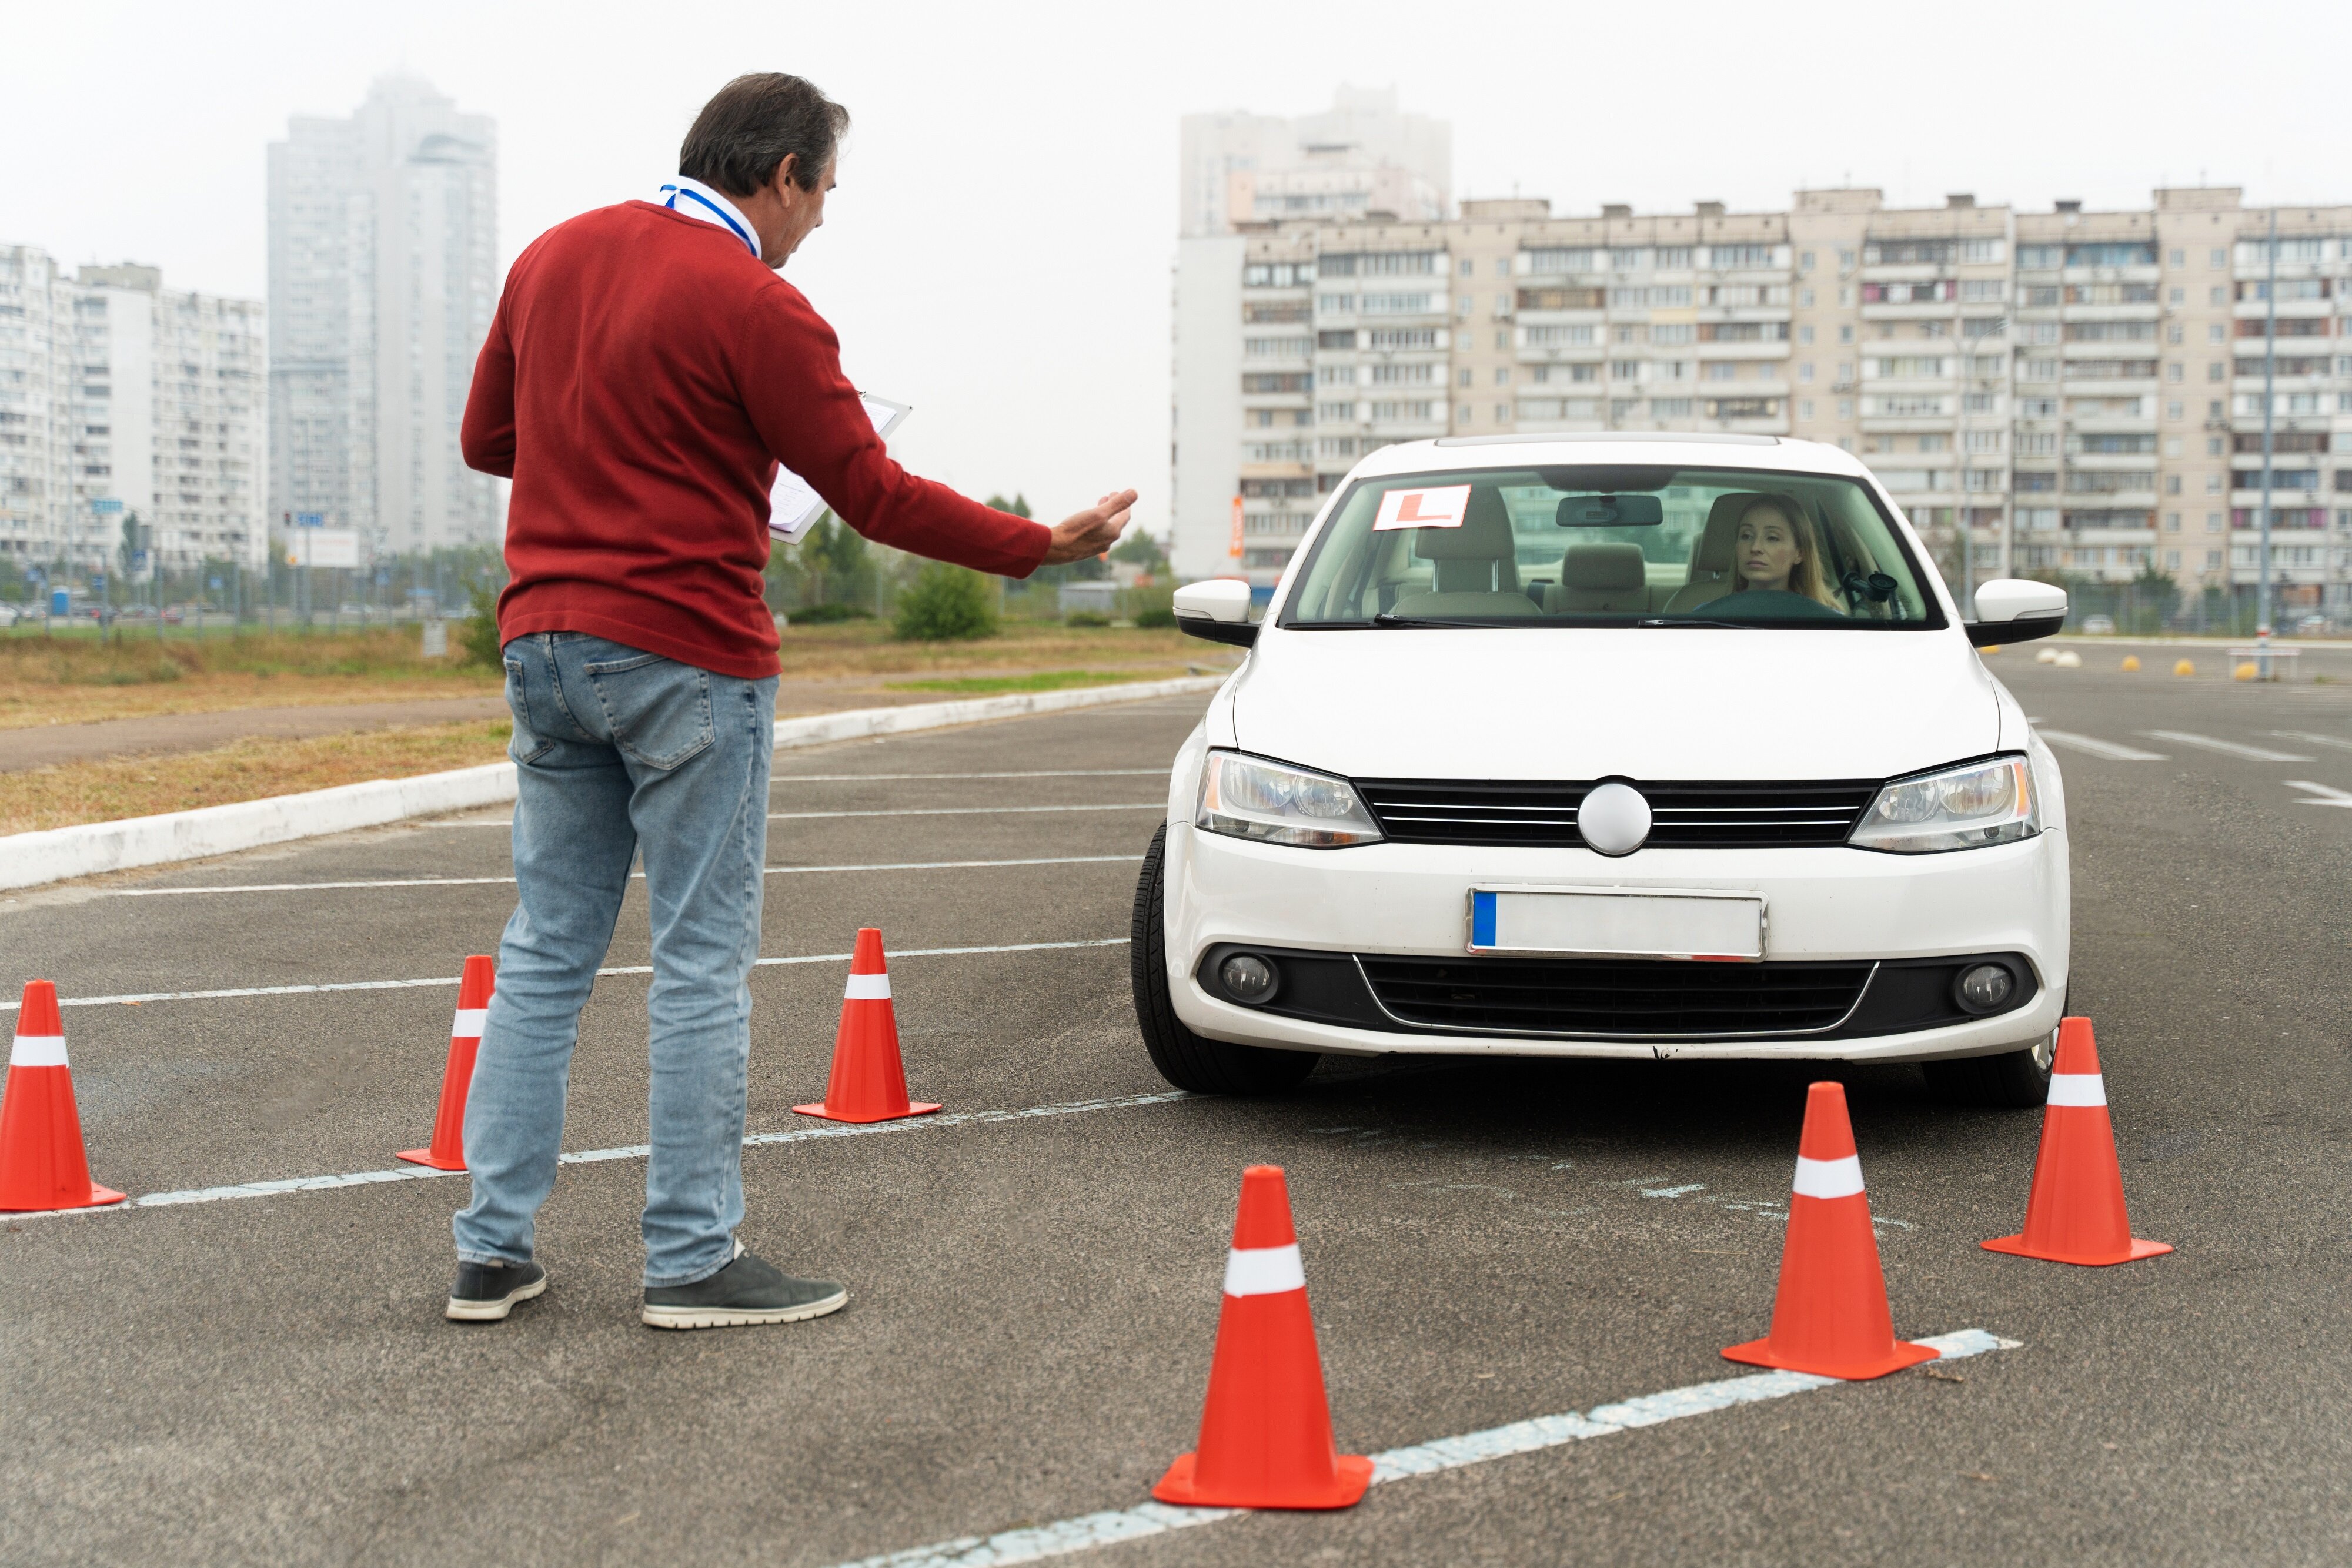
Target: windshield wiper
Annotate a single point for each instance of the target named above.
(1695, 621)
(1388, 618)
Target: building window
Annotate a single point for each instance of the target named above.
(2212, 524)
(1469, 267)
(1465, 376)
(1502, 266)
(1845, 334)
(1805, 408)
(1805, 370)
(1502, 412)
(1805, 298)
(1845, 411)
(1502, 375)
(1465, 414)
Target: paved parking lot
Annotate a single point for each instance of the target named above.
(253, 1377)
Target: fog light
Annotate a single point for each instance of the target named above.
(1246, 978)
(1986, 987)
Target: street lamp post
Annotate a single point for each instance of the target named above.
(2270, 376)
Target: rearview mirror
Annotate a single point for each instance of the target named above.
(2015, 610)
(1609, 512)
(1217, 610)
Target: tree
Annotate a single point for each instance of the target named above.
(1139, 548)
(947, 604)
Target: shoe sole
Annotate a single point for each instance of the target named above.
(738, 1317)
(494, 1311)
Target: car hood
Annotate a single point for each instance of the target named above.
(1679, 703)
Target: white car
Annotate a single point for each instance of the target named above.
(1664, 746)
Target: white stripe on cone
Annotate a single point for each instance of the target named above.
(37, 1051)
(869, 988)
(1264, 1270)
(469, 1023)
(2077, 1089)
(1829, 1178)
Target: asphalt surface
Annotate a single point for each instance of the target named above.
(1033, 1298)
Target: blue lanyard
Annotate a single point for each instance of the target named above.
(675, 192)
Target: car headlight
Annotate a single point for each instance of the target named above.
(1245, 798)
(1958, 808)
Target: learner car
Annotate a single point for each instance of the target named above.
(1610, 746)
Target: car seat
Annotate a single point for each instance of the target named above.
(1601, 578)
(1473, 572)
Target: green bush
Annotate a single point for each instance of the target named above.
(479, 633)
(947, 604)
(1158, 616)
(829, 614)
(1086, 617)
(1149, 605)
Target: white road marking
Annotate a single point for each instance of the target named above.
(634, 876)
(2325, 796)
(897, 812)
(598, 1156)
(2226, 748)
(2097, 747)
(2335, 741)
(902, 778)
(1081, 1534)
(140, 997)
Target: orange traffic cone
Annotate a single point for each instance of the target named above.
(448, 1150)
(42, 1163)
(1266, 1431)
(1830, 1317)
(2076, 1212)
(868, 1082)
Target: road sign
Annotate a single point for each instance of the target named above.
(309, 520)
(323, 546)
(106, 505)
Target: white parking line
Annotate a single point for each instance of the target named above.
(140, 999)
(1066, 1536)
(634, 876)
(903, 777)
(2097, 747)
(2325, 796)
(2225, 747)
(2335, 741)
(900, 812)
(598, 1156)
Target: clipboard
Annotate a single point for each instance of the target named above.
(792, 506)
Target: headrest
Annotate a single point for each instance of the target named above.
(1485, 533)
(1609, 567)
(1721, 541)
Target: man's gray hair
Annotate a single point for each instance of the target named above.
(752, 124)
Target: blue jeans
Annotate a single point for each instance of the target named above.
(619, 751)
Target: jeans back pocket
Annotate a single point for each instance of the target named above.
(658, 709)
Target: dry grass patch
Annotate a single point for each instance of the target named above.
(247, 770)
(79, 679)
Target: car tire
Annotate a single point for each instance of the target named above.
(2013, 1081)
(1186, 1060)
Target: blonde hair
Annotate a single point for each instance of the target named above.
(1805, 577)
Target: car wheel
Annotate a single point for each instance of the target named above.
(1186, 1060)
(2014, 1080)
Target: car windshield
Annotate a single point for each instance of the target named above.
(1609, 546)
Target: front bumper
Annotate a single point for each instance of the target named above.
(1822, 904)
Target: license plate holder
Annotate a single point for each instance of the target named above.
(1691, 924)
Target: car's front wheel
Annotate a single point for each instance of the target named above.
(1186, 1060)
(2013, 1081)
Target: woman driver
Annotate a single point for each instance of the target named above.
(1775, 551)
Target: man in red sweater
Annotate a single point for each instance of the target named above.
(646, 372)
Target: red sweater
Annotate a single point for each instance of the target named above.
(643, 377)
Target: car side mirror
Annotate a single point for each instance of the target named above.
(2014, 610)
(1217, 610)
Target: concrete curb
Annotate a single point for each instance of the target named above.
(55, 854)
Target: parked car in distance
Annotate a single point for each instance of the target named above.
(2099, 625)
(2313, 626)
(1650, 748)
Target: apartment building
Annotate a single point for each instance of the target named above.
(118, 395)
(383, 280)
(1361, 155)
(2067, 390)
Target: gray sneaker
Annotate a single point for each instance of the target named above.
(487, 1292)
(746, 1291)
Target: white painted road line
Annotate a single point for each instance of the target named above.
(902, 778)
(2335, 741)
(140, 999)
(2094, 747)
(634, 876)
(1067, 1536)
(2225, 747)
(599, 1156)
(2322, 795)
(900, 812)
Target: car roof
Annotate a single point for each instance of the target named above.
(1452, 452)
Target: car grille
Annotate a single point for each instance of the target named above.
(1682, 816)
(1602, 996)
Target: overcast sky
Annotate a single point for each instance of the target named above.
(998, 253)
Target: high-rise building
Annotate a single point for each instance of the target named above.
(1360, 156)
(2062, 391)
(382, 279)
(118, 395)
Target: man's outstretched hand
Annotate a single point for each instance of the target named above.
(1090, 532)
